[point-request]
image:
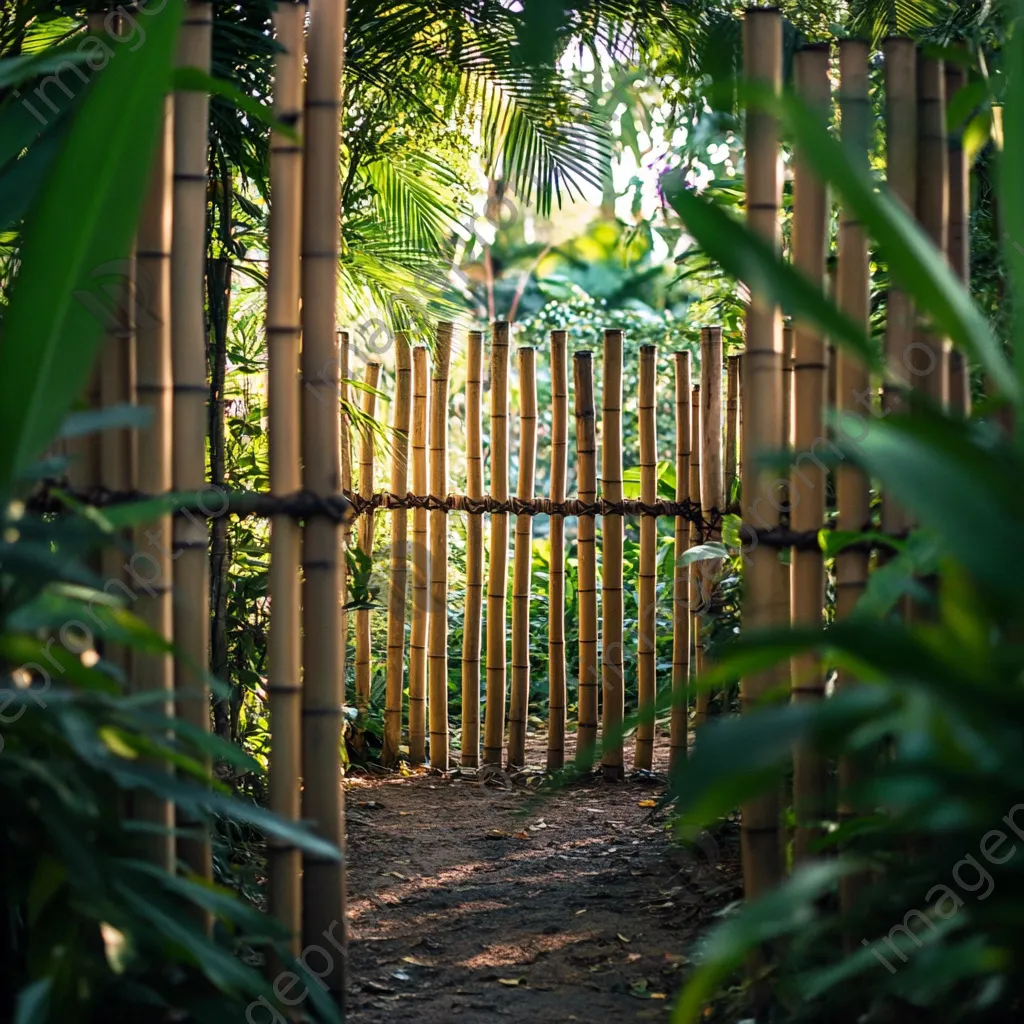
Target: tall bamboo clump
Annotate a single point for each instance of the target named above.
(647, 662)
(473, 619)
(497, 576)
(762, 426)
(437, 635)
(700, 705)
(522, 560)
(680, 577)
(323, 696)
(420, 561)
(612, 533)
(556, 569)
(732, 423)
(586, 455)
(958, 246)
(366, 524)
(188, 342)
(712, 499)
(853, 290)
(901, 173)
(807, 484)
(931, 362)
(399, 578)
(283, 336)
(154, 673)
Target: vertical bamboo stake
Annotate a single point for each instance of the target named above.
(680, 582)
(556, 570)
(930, 365)
(586, 453)
(399, 555)
(807, 485)
(762, 397)
(283, 336)
(732, 423)
(783, 594)
(853, 288)
(345, 534)
(958, 246)
(420, 562)
(647, 605)
(188, 340)
(369, 411)
(155, 672)
(323, 695)
(522, 560)
(901, 173)
(700, 704)
(497, 576)
(437, 637)
(473, 619)
(612, 531)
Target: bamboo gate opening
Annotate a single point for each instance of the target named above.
(773, 396)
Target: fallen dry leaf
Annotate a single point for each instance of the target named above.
(583, 911)
(512, 982)
(648, 803)
(622, 938)
(631, 959)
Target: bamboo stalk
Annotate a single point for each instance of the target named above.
(522, 561)
(399, 555)
(901, 173)
(188, 340)
(497, 576)
(362, 616)
(473, 619)
(732, 424)
(958, 243)
(700, 703)
(154, 673)
(323, 696)
(284, 654)
(678, 727)
(612, 531)
(586, 454)
(556, 569)
(807, 484)
(437, 636)
(345, 534)
(647, 666)
(762, 397)
(420, 562)
(930, 363)
(852, 485)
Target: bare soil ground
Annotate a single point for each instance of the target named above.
(475, 899)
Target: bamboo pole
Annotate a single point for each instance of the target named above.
(362, 616)
(556, 569)
(345, 534)
(284, 654)
(188, 341)
(323, 696)
(473, 619)
(420, 561)
(395, 683)
(612, 531)
(930, 364)
(522, 560)
(700, 703)
(762, 397)
(808, 482)
(958, 243)
(497, 576)
(437, 635)
(853, 494)
(680, 581)
(154, 673)
(901, 172)
(586, 454)
(647, 604)
(732, 424)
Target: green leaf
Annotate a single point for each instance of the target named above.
(92, 421)
(702, 553)
(1011, 202)
(197, 80)
(78, 233)
(33, 1002)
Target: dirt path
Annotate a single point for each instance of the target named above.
(471, 901)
